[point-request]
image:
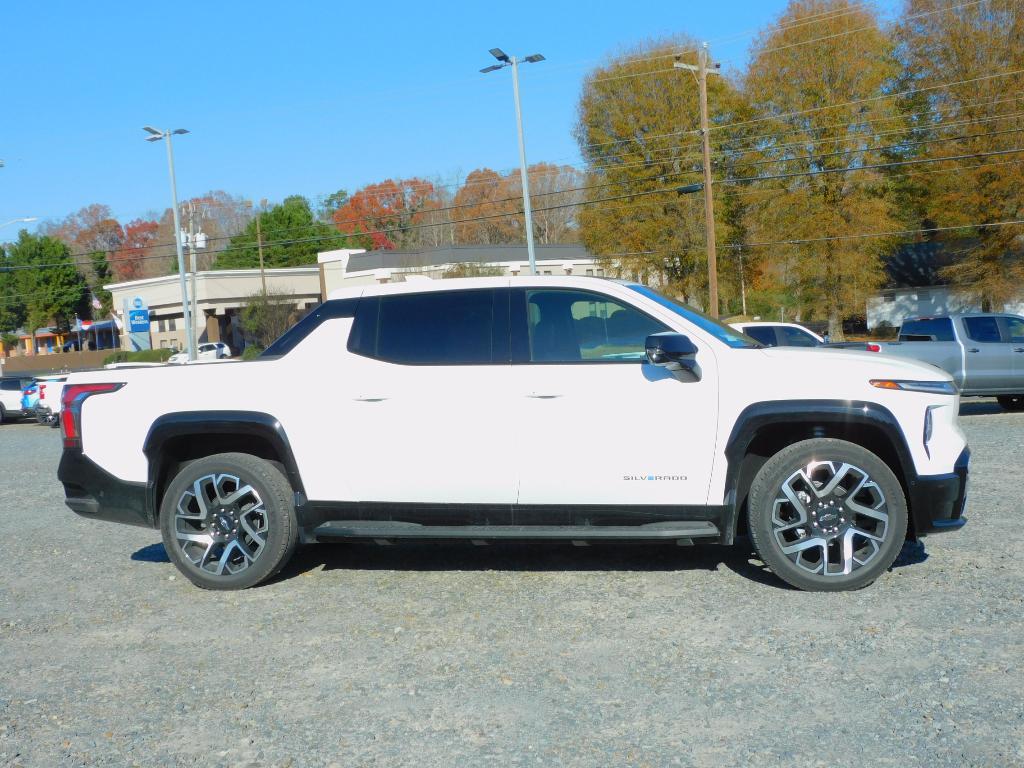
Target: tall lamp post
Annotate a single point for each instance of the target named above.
(512, 61)
(156, 135)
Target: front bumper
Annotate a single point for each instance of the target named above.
(93, 492)
(937, 501)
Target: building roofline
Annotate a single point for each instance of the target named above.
(212, 273)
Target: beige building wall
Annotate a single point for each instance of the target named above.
(220, 295)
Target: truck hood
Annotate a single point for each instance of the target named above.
(875, 366)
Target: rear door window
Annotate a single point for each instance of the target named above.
(983, 329)
(927, 329)
(436, 328)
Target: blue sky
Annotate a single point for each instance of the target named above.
(302, 97)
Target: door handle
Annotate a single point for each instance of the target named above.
(370, 399)
(540, 396)
(973, 349)
(1018, 349)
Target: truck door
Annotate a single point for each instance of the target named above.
(987, 357)
(1013, 331)
(596, 424)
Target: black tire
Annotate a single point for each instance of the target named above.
(827, 520)
(268, 510)
(1011, 402)
(3, 414)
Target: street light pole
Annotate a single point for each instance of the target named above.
(156, 135)
(701, 71)
(513, 61)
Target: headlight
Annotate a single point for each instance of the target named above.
(930, 387)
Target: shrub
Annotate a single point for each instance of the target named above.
(252, 352)
(142, 356)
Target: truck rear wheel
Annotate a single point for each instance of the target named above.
(228, 521)
(1011, 402)
(827, 515)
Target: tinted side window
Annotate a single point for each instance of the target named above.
(1014, 329)
(11, 385)
(794, 337)
(764, 334)
(927, 329)
(442, 328)
(578, 326)
(983, 329)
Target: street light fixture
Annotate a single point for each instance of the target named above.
(156, 135)
(511, 61)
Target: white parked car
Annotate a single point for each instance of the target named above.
(780, 334)
(570, 408)
(48, 402)
(216, 350)
(11, 388)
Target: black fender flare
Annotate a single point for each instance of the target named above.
(253, 424)
(805, 416)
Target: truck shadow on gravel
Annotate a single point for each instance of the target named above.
(530, 557)
(981, 408)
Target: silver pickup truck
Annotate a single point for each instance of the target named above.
(983, 352)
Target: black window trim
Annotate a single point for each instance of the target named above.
(520, 330)
(500, 337)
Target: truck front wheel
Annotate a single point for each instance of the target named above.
(827, 515)
(228, 521)
(1011, 402)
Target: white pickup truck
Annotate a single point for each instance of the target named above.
(572, 408)
(983, 352)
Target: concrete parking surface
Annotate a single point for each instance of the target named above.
(514, 654)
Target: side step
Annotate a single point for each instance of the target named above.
(338, 530)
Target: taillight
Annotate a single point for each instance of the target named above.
(71, 408)
(873, 348)
(42, 391)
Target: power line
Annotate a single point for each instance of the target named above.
(893, 95)
(894, 233)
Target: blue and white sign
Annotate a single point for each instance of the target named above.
(136, 320)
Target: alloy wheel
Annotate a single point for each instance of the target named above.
(830, 518)
(221, 524)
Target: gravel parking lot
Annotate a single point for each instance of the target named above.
(448, 654)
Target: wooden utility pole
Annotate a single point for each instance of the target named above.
(709, 205)
(259, 245)
(701, 71)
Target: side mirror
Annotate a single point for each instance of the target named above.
(673, 351)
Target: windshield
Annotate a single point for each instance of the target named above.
(724, 333)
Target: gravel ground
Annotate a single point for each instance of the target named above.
(446, 654)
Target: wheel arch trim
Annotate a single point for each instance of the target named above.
(804, 414)
(253, 424)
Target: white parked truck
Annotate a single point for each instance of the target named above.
(570, 408)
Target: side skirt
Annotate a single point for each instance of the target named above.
(332, 521)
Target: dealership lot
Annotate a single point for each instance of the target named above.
(513, 654)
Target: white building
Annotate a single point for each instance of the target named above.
(893, 305)
(345, 267)
(220, 295)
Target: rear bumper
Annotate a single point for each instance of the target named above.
(937, 501)
(92, 492)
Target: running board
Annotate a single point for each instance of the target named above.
(383, 529)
